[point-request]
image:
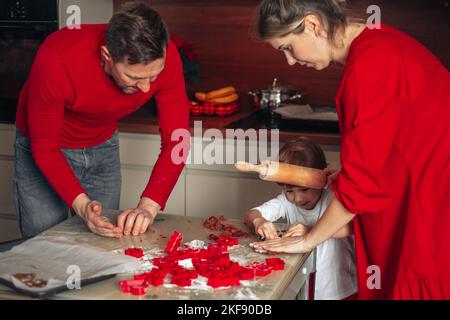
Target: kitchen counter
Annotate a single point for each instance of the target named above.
(284, 284)
(144, 121)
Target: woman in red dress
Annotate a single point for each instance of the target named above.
(393, 104)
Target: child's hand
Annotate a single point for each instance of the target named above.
(296, 230)
(265, 229)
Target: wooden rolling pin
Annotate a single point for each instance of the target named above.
(286, 173)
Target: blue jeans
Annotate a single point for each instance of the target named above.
(39, 207)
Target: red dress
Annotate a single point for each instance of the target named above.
(393, 104)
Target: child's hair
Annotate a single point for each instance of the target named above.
(278, 18)
(303, 152)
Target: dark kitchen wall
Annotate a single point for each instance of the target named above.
(229, 55)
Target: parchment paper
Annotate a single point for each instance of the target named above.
(49, 257)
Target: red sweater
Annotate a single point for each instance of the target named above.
(69, 102)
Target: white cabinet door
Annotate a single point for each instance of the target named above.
(6, 186)
(9, 228)
(228, 194)
(139, 149)
(134, 180)
(138, 154)
(7, 138)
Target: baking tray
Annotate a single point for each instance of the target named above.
(262, 119)
(8, 245)
(53, 291)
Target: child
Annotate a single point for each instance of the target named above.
(302, 208)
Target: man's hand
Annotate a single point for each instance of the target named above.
(265, 229)
(137, 220)
(91, 212)
(296, 230)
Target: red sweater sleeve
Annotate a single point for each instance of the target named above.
(48, 90)
(370, 101)
(173, 113)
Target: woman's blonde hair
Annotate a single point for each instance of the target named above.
(278, 18)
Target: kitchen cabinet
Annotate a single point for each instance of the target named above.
(138, 155)
(9, 227)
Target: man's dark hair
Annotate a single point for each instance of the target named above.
(137, 32)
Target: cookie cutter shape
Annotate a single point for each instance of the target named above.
(174, 242)
(275, 263)
(134, 252)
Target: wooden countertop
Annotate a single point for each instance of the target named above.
(144, 121)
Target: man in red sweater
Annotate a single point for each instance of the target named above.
(81, 83)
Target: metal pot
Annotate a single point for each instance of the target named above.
(274, 96)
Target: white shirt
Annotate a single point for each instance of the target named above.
(335, 258)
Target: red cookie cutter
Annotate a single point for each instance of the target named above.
(183, 254)
(174, 242)
(228, 241)
(246, 273)
(138, 291)
(155, 277)
(216, 248)
(233, 269)
(143, 276)
(181, 282)
(263, 270)
(165, 262)
(222, 260)
(134, 252)
(217, 282)
(275, 263)
(126, 286)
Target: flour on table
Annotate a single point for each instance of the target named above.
(197, 284)
(186, 263)
(146, 261)
(244, 255)
(196, 244)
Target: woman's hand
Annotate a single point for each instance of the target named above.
(284, 245)
(137, 220)
(331, 174)
(296, 230)
(91, 212)
(265, 229)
